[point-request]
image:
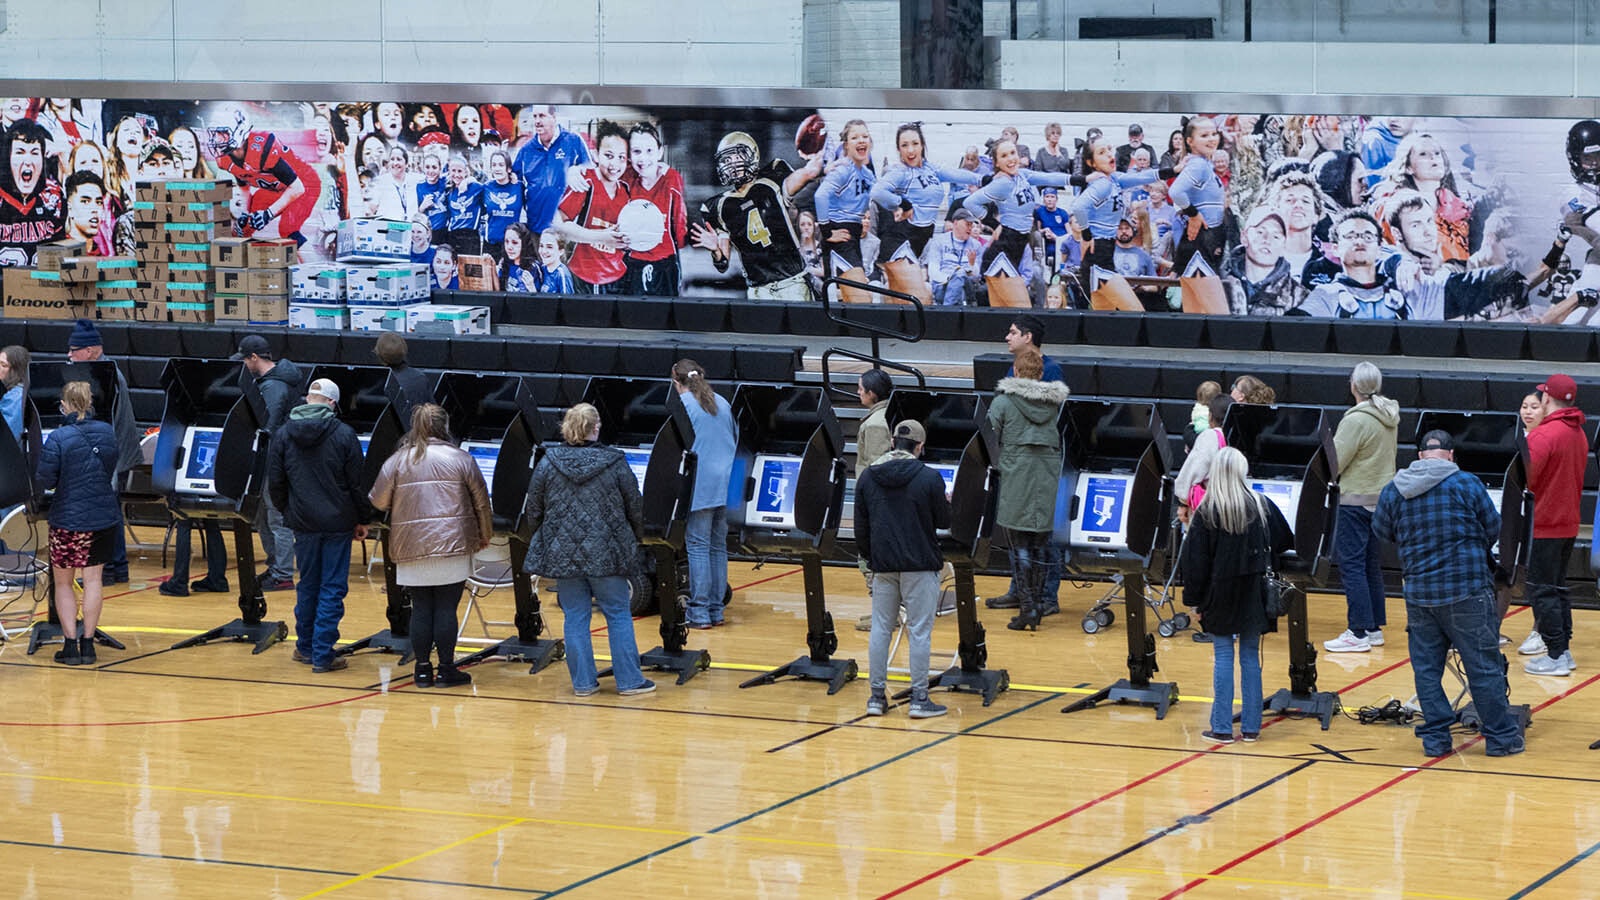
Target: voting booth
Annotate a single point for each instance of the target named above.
(645, 418)
(41, 415)
(365, 405)
(785, 499)
(1292, 463)
(496, 420)
(1112, 501)
(961, 447)
(210, 462)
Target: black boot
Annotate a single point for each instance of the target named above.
(450, 676)
(86, 651)
(424, 675)
(68, 654)
(1007, 600)
(1028, 619)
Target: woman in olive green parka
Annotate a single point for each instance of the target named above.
(1025, 417)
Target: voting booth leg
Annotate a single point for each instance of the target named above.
(252, 605)
(1301, 699)
(49, 631)
(527, 646)
(672, 655)
(1467, 715)
(397, 637)
(973, 650)
(819, 665)
(1137, 688)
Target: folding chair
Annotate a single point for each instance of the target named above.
(25, 561)
(491, 569)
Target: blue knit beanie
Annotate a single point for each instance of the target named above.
(84, 334)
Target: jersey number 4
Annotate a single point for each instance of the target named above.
(755, 230)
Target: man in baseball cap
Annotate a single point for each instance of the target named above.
(900, 505)
(1558, 452)
(278, 381)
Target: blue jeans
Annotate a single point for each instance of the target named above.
(611, 592)
(1360, 570)
(216, 551)
(117, 568)
(1050, 588)
(324, 559)
(278, 540)
(1031, 552)
(1249, 682)
(707, 546)
(1467, 625)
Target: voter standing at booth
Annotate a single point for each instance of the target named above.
(715, 436)
(1025, 417)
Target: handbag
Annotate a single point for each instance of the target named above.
(1277, 592)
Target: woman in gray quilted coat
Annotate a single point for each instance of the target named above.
(586, 514)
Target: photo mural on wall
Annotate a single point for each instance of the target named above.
(1214, 212)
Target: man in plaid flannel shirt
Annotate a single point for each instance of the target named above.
(1444, 524)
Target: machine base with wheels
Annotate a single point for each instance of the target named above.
(46, 632)
(1521, 712)
(384, 640)
(1158, 695)
(1320, 705)
(1098, 619)
(539, 652)
(836, 672)
(263, 634)
(988, 682)
(686, 663)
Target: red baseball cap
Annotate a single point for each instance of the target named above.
(1561, 387)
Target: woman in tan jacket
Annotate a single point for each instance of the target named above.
(438, 517)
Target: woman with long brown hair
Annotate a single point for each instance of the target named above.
(715, 436)
(438, 517)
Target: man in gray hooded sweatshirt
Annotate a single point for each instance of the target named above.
(1444, 524)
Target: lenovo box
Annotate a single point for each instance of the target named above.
(428, 318)
(154, 272)
(319, 316)
(49, 256)
(194, 292)
(228, 252)
(231, 307)
(278, 253)
(373, 240)
(190, 272)
(190, 312)
(193, 232)
(152, 251)
(189, 252)
(379, 318)
(131, 310)
(269, 310)
(191, 190)
(317, 282)
(28, 297)
(253, 281)
(98, 268)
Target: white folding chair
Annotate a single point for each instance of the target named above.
(25, 561)
(491, 569)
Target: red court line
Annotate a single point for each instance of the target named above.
(265, 712)
(769, 578)
(1307, 826)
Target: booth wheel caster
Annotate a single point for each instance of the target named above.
(1167, 629)
(1098, 620)
(1180, 622)
(1090, 624)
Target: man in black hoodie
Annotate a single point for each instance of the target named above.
(279, 384)
(906, 499)
(314, 476)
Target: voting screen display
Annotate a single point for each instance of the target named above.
(773, 505)
(1102, 519)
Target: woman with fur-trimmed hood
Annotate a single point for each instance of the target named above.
(1025, 416)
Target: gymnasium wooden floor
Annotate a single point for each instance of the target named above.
(210, 772)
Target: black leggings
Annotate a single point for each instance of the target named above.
(433, 621)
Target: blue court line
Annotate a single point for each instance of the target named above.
(271, 866)
(1170, 829)
(1546, 878)
(1048, 698)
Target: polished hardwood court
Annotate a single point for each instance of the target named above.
(212, 772)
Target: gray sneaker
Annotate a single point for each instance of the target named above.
(646, 688)
(877, 704)
(1566, 657)
(1544, 665)
(924, 708)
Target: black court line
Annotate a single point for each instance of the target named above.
(1175, 827)
(1545, 879)
(269, 866)
(115, 663)
(796, 798)
(829, 730)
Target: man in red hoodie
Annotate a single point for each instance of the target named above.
(1557, 454)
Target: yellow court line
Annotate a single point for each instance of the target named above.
(383, 870)
(245, 795)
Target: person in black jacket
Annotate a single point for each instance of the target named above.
(408, 388)
(1232, 541)
(906, 499)
(314, 476)
(279, 383)
(78, 462)
(585, 514)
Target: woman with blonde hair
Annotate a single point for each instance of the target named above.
(1232, 542)
(586, 515)
(439, 516)
(78, 462)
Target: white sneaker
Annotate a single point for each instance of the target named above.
(1533, 646)
(1566, 657)
(1347, 643)
(1375, 638)
(1544, 665)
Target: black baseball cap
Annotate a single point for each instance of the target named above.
(1437, 439)
(253, 345)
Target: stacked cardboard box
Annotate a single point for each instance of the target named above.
(176, 222)
(252, 279)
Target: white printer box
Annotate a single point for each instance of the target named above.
(319, 316)
(379, 318)
(429, 318)
(373, 240)
(317, 282)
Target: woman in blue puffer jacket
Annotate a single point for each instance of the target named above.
(79, 462)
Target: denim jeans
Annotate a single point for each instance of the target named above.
(707, 546)
(1466, 626)
(433, 621)
(611, 593)
(216, 551)
(1360, 570)
(958, 291)
(278, 540)
(918, 592)
(1547, 592)
(324, 559)
(117, 568)
(1030, 563)
(1050, 588)
(1249, 682)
